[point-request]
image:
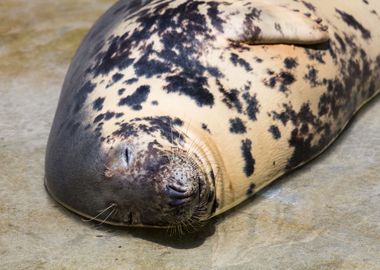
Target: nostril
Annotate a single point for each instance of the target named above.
(178, 192)
(177, 188)
(178, 195)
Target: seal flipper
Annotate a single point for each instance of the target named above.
(270, 24)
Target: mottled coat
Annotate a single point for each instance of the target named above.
(175, 111)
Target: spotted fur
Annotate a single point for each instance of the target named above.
(209, 100)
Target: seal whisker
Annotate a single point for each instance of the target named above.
(190, 225)
(173, 230)
(203, 159)
(172, 137)
(181, 228)
(109, 215)
(187, 128)
(101, 213)
(190, 146)
(193, 224)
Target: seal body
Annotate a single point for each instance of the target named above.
(175, 111)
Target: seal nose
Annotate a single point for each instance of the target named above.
(179, 195)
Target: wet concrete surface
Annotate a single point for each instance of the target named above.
(324, 216)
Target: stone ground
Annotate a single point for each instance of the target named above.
(323, 216)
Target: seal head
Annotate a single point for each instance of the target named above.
(145, 175)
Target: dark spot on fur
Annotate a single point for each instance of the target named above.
(109, 115)
(146, 66)
(237, 126)
(308, 5)
(287, 78)
(285, 115)
(283, 79)
(251, 31)
(121, 91)
(236, 60)
(352, 22)
(275, 132)
(114, 57)
(117, 77)
(99, 118)
(213, 13)
(278, 28)
(290, 63)
(251, 189)
(177, 122)
(246, 148)
(341, 43)
(164, 125)
(131, 81)
(98, 104)
(105, 116)
(193, 87)
(230, 98)
(82, 94)
(252, 106)
(137, 98)
(205, 127)
(311, 76)
(316, 54)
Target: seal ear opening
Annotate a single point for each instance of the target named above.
(272, 24)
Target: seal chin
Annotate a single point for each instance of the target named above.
(156, 187)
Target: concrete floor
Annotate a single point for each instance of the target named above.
(323, 216)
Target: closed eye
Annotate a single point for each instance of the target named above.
(127, 155)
